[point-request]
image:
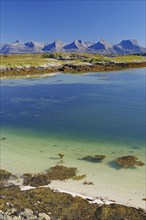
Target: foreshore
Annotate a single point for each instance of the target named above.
(49, 70)
(51, 201)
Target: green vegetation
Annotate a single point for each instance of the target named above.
(36, 65)
(13, 60)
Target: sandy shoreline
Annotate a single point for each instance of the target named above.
(99, 194)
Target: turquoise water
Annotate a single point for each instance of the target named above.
(74, 114)
(78, 115)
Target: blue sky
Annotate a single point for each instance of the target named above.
(44, 20)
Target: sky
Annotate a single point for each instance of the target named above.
(46, 20)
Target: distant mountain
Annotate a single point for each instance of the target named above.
(34, 47)
(101, 47)
(19, 47)
(56, 46)
(129, 47)
(76, 46)
(89, 43)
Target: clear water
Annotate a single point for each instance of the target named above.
(77, 115)
(93, 107)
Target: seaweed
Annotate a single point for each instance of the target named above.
(61, 155)
(60, 172)
(39, 179)
(64, 206)
(128, 161)
(80, 177)
(119, 212)
(61, 158)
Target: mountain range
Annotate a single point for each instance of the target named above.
(101, 47)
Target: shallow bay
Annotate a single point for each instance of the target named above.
(77, 115)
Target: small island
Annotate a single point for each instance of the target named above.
(38, 65)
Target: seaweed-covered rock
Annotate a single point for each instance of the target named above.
(94, 159)
(39, 179)
(61, 206)
(59, 172)
(4, 175)
(119, 212)
(128, 161)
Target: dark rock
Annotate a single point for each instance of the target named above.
(94, 159)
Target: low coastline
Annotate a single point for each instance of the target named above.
(42, 71)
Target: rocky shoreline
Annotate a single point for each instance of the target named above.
(38, 71)
(18, 201)
(14, 214)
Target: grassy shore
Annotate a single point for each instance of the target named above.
(21, 65)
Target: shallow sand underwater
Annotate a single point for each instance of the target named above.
(75, 121)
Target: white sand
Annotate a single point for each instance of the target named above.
(101, 193)
(124, 186)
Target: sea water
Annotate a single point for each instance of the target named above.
(76, 115)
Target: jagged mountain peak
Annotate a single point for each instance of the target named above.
(75, 45)
(56, 46)
(17, 41)
(129, 43)
(30, 44)
(129, 46)
(102, 47)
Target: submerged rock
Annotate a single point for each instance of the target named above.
(3, 138)
(136, 148)
(128, 161)
(94, 159)
(88, 183)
